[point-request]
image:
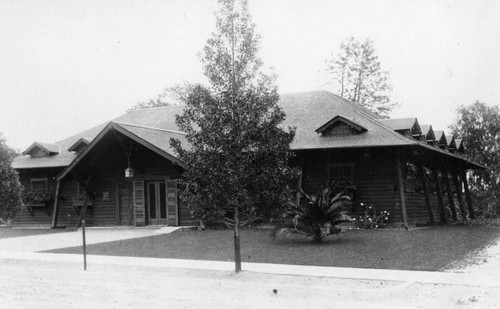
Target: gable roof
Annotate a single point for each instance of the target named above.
(45, 147)
(156, 140)
(80, 144)
(450, 139)
(440, 137)
(308, 112)
(460, 145)
(340, 119)
(402, 124)
(428, 132)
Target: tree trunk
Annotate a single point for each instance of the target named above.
(237, 251)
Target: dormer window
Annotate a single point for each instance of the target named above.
(428, 135)
(80, 144)
(42, 150)
(340, 126)
(408, 127)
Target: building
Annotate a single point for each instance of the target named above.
(124, 172)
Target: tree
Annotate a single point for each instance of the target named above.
(479, 126)
(358, 76)
(237, 159)
(169, 96)
(10, 187)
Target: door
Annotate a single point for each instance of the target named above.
(157, 202)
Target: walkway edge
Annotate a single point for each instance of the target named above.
(277, 269)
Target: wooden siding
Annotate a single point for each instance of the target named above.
(374, 173)
(112, 192)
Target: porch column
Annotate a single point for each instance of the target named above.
(55, 213)
(468, 198)
(450, 196)
(401, 191)
(463, 211)
(443, 216)
(299, 182)
(426, 193)
(117, 203)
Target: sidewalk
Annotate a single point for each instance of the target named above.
(28, 247)
(276, 269)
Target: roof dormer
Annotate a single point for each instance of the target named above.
(80, 144)
(408, 127)
(452, 146)
(42, 149)
(441, 141)
(428, 134)
(340, 126)
(460, 145)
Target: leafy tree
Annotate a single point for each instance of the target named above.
(479, 126)
(318, 216)
(358, 76)
(169, 96)
(237, 169)
(10, 187)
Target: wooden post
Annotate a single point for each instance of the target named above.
(450, 196)
(401, 191)
(299, 182)
(84, 246)
(463, 211)
(468, 198)
(427, 197)
(117, 203)
(82, 212)
(443, 216)
(55, 213)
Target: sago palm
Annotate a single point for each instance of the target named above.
(318, 216)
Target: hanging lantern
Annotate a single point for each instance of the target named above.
(129, 173)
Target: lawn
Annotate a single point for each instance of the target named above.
(418, 249)
(6, 232)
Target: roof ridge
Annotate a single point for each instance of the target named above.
(147, 127)
(154, 107)
(373, 120)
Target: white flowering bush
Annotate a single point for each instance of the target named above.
(370, 219)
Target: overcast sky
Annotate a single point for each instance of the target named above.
(66, 66)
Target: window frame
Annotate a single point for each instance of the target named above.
(45, 180)
(351, 166)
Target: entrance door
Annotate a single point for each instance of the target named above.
(157, 202)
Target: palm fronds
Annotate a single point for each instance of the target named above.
(319, 213)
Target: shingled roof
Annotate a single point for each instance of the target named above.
(306, 111)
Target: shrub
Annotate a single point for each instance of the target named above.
(318, 216)
(370, 219)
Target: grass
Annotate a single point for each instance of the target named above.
(419, 249)
(6, 232)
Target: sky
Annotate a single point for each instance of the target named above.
(66, 66)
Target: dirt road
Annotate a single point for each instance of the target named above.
(37, 284)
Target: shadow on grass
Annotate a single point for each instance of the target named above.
(419, 249)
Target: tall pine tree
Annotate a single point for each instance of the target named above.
(237, 158)
(358, 76)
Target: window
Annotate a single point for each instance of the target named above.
(340, 129)
(39, 185)
(341, 171)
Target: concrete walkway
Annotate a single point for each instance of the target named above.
(29, 247)
(276, 269)
(36, 243)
